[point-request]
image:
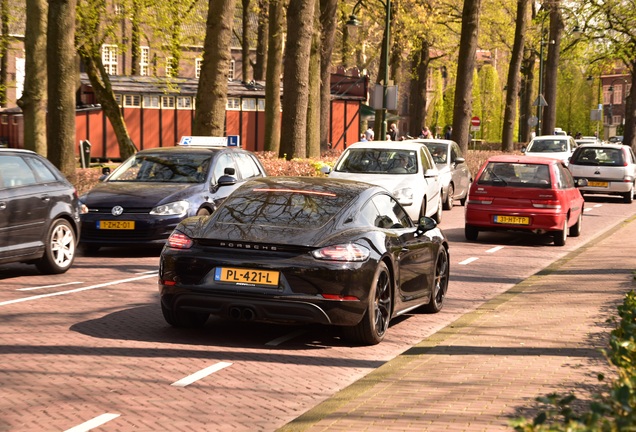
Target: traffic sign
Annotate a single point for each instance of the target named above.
(475, 121)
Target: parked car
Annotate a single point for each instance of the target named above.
(405, 168)
(39, 212)
(610, 169)
(552, 146)
(587, 140)
(454, 173)
(618, 139)
(528, 194)
(144, 199)
(305, 250)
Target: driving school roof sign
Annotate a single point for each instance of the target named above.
(229, 141)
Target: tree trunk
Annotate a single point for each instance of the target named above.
(245, 41)
(4, 51)
(418, 99)
(552, 68)
(462, 108)
(100, 82)
(209, 118)
(313, 106)
(629, 132)
(135, 38)
(525, 103)
(510, 109)
(328, 23)
(261, 42)
(33, 100)
(274, 70)
(296, 79)
(62, 77)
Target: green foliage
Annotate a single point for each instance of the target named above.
(615, 411)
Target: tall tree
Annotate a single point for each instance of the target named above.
(209, 118)
(462, 108)
(513, 82)
(62, 75)
(552, 66)
(4, 50)
(419, 87)
(245, 40)
(328, 24)
(313, 104)
(33, 100)
(261, 41)
(274, 70)
(93, 32)
(296, 79)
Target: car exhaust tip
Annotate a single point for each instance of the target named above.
(235, 313)
(248, 314)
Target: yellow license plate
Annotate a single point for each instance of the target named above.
(116, 225)
(246, 276)
(512, 220)
(598, 184)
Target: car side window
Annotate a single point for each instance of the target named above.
(44, 174)
(455, 152)
(427, 161)
(368, 214)
(564, 178)
(390, 214)
(223, 161)
(247, 166)
(16, 172)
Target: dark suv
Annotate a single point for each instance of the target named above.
(39, 212)
(144, 199)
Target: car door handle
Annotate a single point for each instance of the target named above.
(45, 198)
(3, 205)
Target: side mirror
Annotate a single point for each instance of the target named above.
(105, 173)
(523, 149)
(325, 169)
(226, 180)
(460, 160)
(426, 224)
(431, 173)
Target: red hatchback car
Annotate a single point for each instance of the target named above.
(523, 193)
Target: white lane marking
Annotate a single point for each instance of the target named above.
(48, 286)
(91, 424)
(280, 340)
(586, 209)
(148, 272)
(201, 374)
(598, 205)
(495, 249)
(468, 261)
(4, 303)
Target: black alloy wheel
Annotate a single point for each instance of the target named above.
(440, 282)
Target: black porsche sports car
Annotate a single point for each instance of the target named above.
(304, 250)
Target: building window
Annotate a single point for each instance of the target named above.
(261, 105)
(234, 104)
(5, 119)
(15, 119)
(184, 102)
(151, 101)
(248, 104)
(197, 67)
(118, 99)
(169, 69)
(109, 59)
(167, 101)
(230, 74)
(132, 101)
(144, 61)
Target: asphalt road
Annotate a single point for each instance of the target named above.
(89, 349)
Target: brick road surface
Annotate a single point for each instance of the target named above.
(543, 335)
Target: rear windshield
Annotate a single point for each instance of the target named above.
(516, 174)
(378, 161)
(165, 168)
(548, 146)
(598, 156)
(295, 208)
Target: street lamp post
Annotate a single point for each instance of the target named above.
(353, 21)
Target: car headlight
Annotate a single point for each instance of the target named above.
(177, 208)
(83, 208)
(404, 196)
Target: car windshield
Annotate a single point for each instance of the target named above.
(282, 207)
(165, 168)
(598, 156)
(378, 161)
(516, 175)
(439, 152)
(547, 146)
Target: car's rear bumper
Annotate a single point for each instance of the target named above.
(538, 221)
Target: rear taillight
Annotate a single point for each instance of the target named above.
(340, 297)
(343, 252)
(479, 200)
(179, 240)
(547, 204)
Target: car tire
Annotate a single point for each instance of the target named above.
(440, 282)
(471, 233)
(628, 197)
(575, 230)
(203, 212)
(448, 203)
(183, 319)
(60, 247)
(437, 217)
(375, 322)
(560, 236)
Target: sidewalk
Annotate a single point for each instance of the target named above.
(488, 367)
